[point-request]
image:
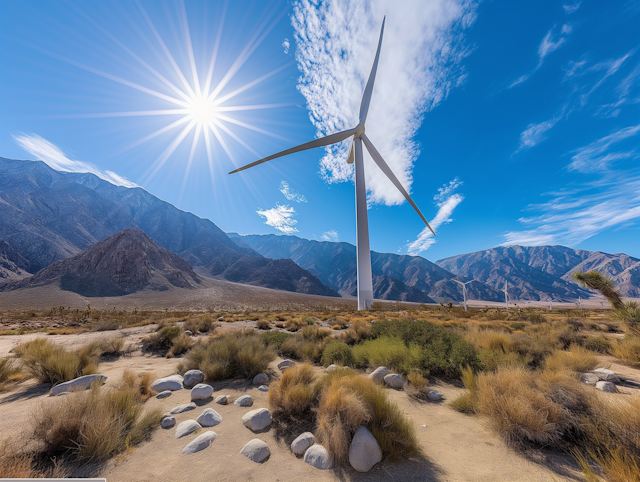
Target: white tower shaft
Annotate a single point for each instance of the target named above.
(363, 252)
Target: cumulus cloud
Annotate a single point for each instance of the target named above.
(420, 62)
(280, 218)
(53, 156)
(286, 45)
(330, 235)
(290, 194)
(447, 201)
(597, 156)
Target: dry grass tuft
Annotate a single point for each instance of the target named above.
(162, 339)
(179, 345)
(8, 370)
(203, 324)
(627, 350)
(140, 383)
(295, 392)
(263, 324)
(576, 359)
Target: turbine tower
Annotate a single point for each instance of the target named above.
(464, 291)
(363, 254)
(506, 296)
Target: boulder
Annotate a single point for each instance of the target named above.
(78, 384)
(201, 442)
(209, 418)
(434, 396)
(192, 378)
(302, 442)
(260, 379)
(165, 394)
(62, 393)
(318, 457)
(378, 374)
(257, 420)
(222, 399)
(168, 422)
(201, 391)
(187, 427)
(263, 388)
(256, 450)
(244, 401)
(188, 332)
(364, 451)
(330, 368)
(284, 364)
(606, 375)
(173, 383)
(394, 381)
(606, 386)
(185, 407)
(589, 378)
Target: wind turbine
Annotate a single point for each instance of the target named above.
(506, 296)
(464, 291)
(363, 254)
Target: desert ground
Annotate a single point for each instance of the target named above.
(453, 446)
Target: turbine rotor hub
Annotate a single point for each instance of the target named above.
(359, 130)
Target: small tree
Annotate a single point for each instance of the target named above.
(595, 280)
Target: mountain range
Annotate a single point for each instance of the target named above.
(75, 229)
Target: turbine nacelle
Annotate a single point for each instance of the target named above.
(359, 130)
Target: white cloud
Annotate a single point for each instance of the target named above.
(290, 194)
(286, 45)
(447, 202)
(566, 29)
(595, 157)
(51, 154)
(281, 218)
(534, 133)
(420, 62)
(610, 67)
(330, 235)
(548, 45)
(570, 8)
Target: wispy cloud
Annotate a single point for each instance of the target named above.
(280, 218)
(534, 133)
(286, 45)
(290, 194)
(420, 63)
(447, 201)
(573, 216)
(569, 8)
(52, 155)
(330, 235)
(610, 67)
(597, 156)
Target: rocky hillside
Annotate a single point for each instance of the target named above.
(396, 277)
(13, 266)
(544, 272)
(124, 263)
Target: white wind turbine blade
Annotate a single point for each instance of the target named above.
(384, 167)
(368, 90)
(323, 141)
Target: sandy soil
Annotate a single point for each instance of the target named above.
(456, 447)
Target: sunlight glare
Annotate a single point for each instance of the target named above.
(202, 110)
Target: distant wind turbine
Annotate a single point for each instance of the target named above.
(550, 304)
(464, 291)
(506, 296)
(365, 282)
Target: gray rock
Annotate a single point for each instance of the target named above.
(378, 374)
(165, 394)
(394, 381)
(187, 427)
(185, 407)
(201, 391)
(201, 442)
(318, 457)
(78, 384)
(284, 364)
(606, 386)
(257, 420)
(606, 375)
(244, 401)
(209, 418)
(589, 378)
(168, 422)
(222, 399)
(435, 396)
(256, 450)
(173, 383)
(188, 332)
(330, 368)
(364, 451)
(302, 442)
(62, 393)
(263, 388)
(260, 379)
(192, 378)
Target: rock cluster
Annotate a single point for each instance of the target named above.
(78, 384)
(257, 420)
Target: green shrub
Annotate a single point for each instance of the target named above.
(389, 352)
(598, 344)
(162, 340)
(233, 355)
(275, 338)
(337, 352)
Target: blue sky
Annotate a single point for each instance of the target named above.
(510, 122)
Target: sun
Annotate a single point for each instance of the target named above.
(202, 110)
